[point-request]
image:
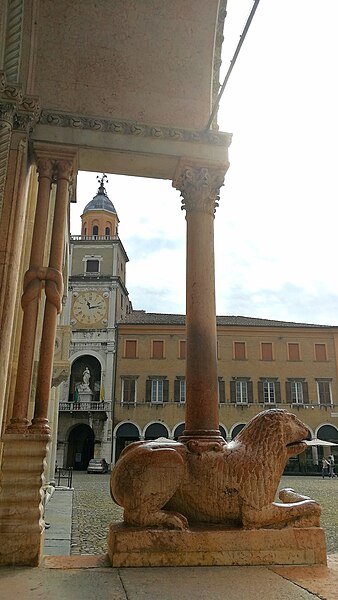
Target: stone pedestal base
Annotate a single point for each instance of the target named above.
(213, 546)
(21, 509)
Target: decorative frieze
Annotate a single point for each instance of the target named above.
(132, 128)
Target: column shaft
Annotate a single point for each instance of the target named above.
(54, 291)
(201, 359)
(30, 301)
(199, 186)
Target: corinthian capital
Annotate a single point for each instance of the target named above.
(199, 186)
(64, 169)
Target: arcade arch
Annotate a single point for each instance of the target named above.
(154, 430)
(80, 446)
(124, 434)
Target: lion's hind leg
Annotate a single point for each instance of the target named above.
(144, 482)
(302, 513)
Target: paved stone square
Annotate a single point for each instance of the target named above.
(93, 509)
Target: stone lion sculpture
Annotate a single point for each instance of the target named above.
(164, 483)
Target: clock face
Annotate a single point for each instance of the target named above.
(89, 308)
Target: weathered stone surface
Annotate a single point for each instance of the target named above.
(164, 483)
(134, 547)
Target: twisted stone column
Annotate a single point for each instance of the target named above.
(30, 301)
(54, 292)
(199, 186)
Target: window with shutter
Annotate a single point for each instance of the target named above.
(293, 351)
(157, 349)
(182, 349)
(221, 390)
(128, 390)
(130, 349)
(269, 392)
(266, 351)
(240, 350)
(324, 392)
(179, 390)
(320, 352)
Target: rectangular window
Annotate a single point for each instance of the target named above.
(241, 392)
(130, 349)
(240, 350)
(293, 351)
(269, 396)
(157, 349)
(128, 391)
(182, 390)
(297, 396)
(324, 392)
(92, 266)
(320, 352)
(182, 346)
(266, 351)
(157, 391)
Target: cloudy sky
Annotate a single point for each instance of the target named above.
(276, 226)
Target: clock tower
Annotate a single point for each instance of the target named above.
(97, 298)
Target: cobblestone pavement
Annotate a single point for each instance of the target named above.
(93, 509)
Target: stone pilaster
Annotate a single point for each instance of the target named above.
(199, 186)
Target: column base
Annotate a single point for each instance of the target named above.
(21, 506)
(214, 546)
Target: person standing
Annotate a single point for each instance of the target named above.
(325, 466)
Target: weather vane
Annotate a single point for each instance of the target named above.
(103, 179)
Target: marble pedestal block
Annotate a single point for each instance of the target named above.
(214, 546)
(85, 397)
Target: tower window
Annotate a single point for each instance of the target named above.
(95, 230)
(92, 266)
(107, 231)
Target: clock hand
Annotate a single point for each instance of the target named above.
(88, 304)
(97, 306)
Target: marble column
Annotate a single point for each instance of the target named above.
(54, 293)
(199, 186)
(30, 301)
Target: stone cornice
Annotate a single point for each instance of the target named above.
(133, 128)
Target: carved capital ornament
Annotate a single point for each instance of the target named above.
(199, 187)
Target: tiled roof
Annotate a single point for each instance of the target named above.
(141, 317)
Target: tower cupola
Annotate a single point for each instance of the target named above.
(99, 218)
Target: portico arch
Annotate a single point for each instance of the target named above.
(124, 434)
(80, 450)
(155, 430)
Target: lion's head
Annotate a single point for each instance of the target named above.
(273, 430)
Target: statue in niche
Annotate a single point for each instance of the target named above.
(84, 386)
(164, 483)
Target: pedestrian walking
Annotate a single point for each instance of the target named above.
(325, 467)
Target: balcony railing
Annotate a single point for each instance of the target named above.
(81, 238)
(84, 406)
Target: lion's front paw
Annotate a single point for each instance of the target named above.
(174, 520)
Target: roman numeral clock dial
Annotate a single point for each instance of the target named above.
(89, 308)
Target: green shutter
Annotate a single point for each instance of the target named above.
(221, 391)
(148, 390)
(233, 391)
(176, 390)
(288, 391)
(277, 392)
(260, 392)
(250, 392)
(166, 390)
